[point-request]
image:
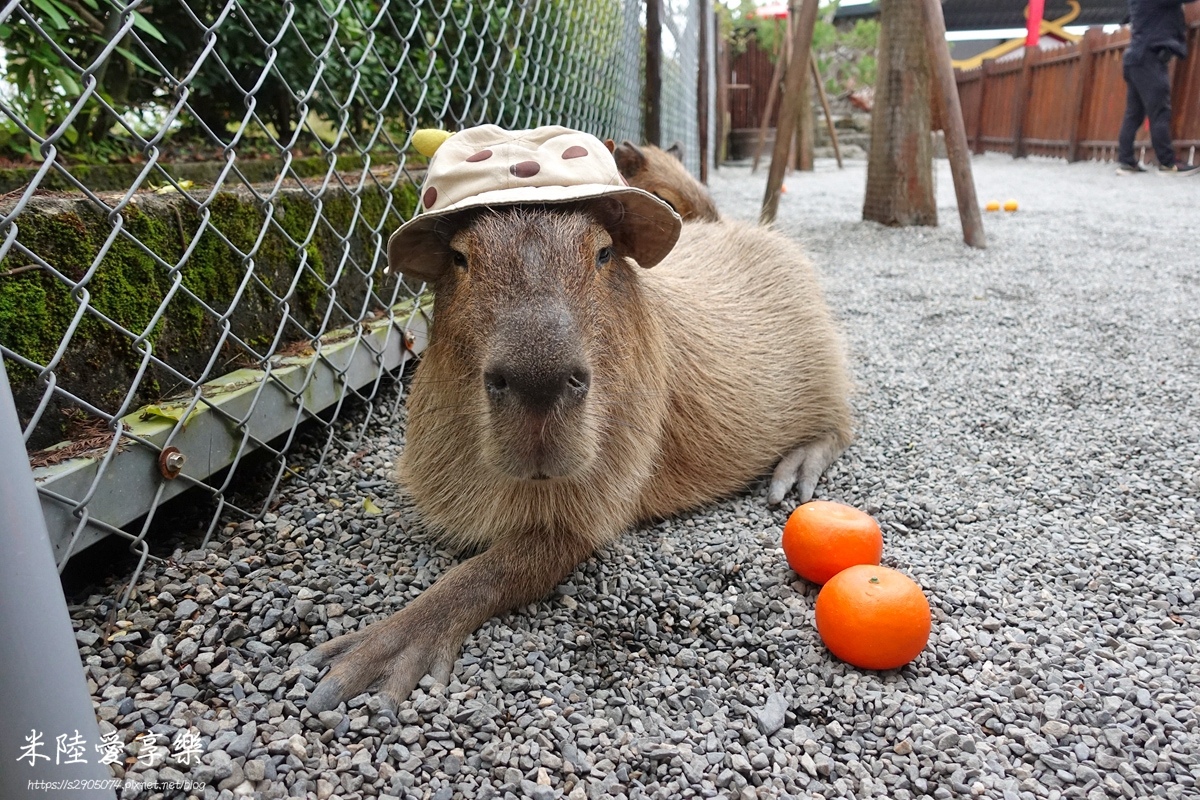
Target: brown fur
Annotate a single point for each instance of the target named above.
(661, 172)
(704, 373)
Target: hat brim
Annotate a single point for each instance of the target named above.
(649, 227)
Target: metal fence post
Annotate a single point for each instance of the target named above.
(42, 691)
(654, 72)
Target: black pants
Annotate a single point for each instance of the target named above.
(1148, 94)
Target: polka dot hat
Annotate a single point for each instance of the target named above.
(489, 166)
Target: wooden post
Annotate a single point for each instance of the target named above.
(984, 78)
(654, 72)
(805, 14)
(722, 121)
(816, 73)
(805, 128)
(1022, 103)
(772, 93)
(1087, 74)
(952, 124)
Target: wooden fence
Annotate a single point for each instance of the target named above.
(1067, 102)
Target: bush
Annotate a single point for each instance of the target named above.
(274, 75)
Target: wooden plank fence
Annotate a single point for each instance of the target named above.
(1067, 102)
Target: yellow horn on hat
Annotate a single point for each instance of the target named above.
(428, 140)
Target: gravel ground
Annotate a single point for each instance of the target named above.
(1028, 426)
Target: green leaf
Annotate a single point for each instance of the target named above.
(37, 119)
(137, 62)
(144, 25)
(370, 507)
(158, 412)
(50, 11)
(66, 80)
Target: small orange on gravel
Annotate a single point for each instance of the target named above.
(821, 538)
(873, 617)
(1010, 205)
(992, 205)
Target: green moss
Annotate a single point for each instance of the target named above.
(140, 269)
(36, 309)
(128, 286)
(26, 317)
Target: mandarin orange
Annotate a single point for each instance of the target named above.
(873, 617)
(822, 538)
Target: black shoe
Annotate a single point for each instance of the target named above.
(1129, 169)
(1180, 170)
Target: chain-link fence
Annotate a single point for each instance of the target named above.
(195, 197)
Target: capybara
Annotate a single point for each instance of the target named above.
(583, 375)
(662, 174)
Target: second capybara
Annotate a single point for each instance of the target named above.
(662, 173)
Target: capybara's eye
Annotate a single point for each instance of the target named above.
(668, 202)
(459, 259)
(604, 256)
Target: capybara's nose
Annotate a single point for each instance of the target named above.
(537, 388)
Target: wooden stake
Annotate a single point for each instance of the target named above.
(772, 92)
(805, 14)
(722, 122)
(816, 73)
(955, 130)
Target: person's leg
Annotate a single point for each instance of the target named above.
(1135, 112)
(1154, 86)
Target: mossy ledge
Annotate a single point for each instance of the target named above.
(119, 177)
(293, 294)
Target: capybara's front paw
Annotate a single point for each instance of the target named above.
(389, 657)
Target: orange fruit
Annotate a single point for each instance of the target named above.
(821, 538)
(1010, 205)
(992, 205)
(873, 617)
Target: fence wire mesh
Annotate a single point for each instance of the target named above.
(195, 197)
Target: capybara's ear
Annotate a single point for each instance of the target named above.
(610, 144)
(611, 215)
(425, 257)
(646, 238)
(607, 212)
(427, 254)
(630, 159)
(676, 150)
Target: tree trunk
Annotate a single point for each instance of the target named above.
(900, 187)
(805, 129)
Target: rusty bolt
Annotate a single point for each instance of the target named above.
(170, 462)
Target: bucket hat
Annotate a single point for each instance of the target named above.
(488, 166)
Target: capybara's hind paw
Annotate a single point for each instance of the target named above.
(802, 468)
(390, 657)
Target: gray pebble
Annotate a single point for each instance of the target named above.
(1026, 433)
(186, 609)
(771, 715)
